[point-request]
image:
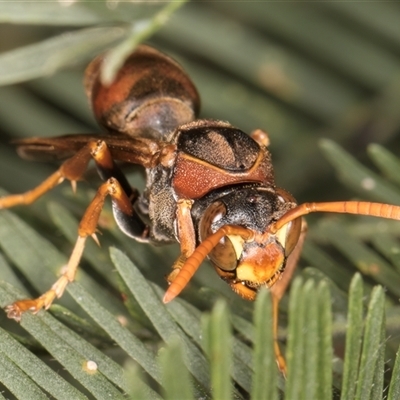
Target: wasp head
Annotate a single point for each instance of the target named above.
(258, 258)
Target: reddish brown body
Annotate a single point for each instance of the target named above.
(209, 186)
(151, 95)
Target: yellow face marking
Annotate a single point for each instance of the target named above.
(281, 235)
(237, 243)
(260, 264)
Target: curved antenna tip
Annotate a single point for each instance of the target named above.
(168, 296)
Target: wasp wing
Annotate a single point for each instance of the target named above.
(123, 148)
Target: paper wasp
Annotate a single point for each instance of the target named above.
(209, 186)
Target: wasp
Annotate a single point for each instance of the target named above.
(209, 186)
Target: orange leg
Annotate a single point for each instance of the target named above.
(87, 227)
(279, 289)
(186, 236)
(72, 169)
(116, 186)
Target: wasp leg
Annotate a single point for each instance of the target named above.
(87, 227)
(186, 236)
(130, 223)
(72, 169)
(278, 290)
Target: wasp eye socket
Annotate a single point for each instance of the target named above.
(223, 255)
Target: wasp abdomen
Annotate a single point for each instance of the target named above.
(150, 96)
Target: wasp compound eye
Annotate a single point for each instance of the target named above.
(223, 255)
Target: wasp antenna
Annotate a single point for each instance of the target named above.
(346, 207)
(193, 262)
(181, 280)
(191, 265)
